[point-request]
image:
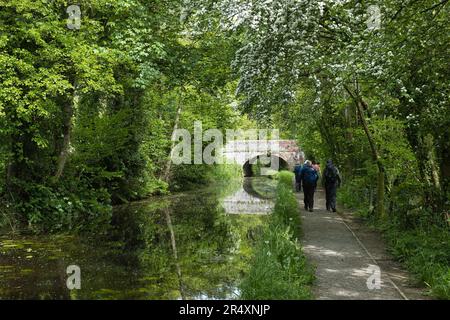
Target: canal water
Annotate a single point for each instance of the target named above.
(187, 246)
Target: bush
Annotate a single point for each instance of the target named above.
(64, 207)
(286, 205)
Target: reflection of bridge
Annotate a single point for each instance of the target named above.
(248, 200)
(243, 203)
(284, 153)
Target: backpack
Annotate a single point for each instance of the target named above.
(311, 176)
(331, 174)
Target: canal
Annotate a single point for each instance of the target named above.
(195, 245)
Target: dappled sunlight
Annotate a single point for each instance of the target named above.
(343, 267)
(218, 149)
(331, 270)
(322, 251)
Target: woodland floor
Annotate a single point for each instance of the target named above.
(343, 250)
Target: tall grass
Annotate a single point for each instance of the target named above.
(425, 253)
(279, 268)
(286, 211)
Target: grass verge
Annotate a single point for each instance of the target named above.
(425, 253)
(279, 268)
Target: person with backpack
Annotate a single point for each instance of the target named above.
(297, 170)
(332, 180)
(309, 177)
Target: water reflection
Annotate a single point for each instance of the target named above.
(255, 197)
(182, 247)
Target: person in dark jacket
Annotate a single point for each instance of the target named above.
(297, 170)
(309, 177)
(332, 180)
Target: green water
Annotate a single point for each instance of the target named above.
(176, 247)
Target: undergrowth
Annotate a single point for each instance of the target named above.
(279, 268)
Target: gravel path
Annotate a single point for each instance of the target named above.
(346, 254)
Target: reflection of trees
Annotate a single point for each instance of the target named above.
(205, 241)
(146, 254)
(180, 249)
(260, 187)
(187, 248)
(174, 250)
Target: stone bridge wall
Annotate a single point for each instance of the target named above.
(241, 151)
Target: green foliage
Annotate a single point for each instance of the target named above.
(56, 209)
(66, 92)
(135, 260)
(99, 105)
(285, 179)
(286, 209)
(319, 84)
(86, 116)
(214, 112)
(279, 268)
(425, 253)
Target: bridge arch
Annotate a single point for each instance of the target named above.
(247, 166)
(242, 152)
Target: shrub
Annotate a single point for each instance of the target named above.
(59, 208)
(416, 236)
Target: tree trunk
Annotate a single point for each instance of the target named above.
(175, 251)
(429, 171)
(361, 105)
(67, 133)
(166, 175)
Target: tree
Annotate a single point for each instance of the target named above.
(331, 45)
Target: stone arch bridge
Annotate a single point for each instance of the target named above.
(278, 153)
